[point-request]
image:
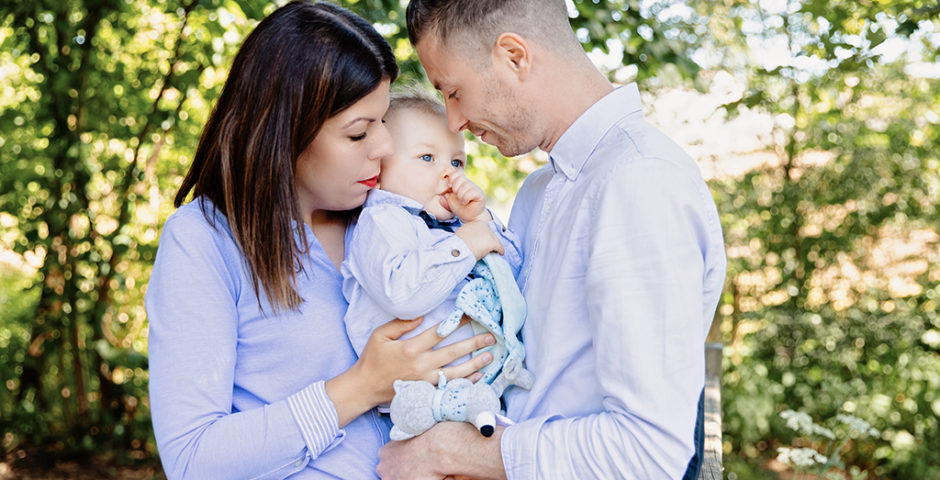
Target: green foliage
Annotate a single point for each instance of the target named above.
(105, 101)
(822, 447)
(833, 273)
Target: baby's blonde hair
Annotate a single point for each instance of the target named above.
(415, 97)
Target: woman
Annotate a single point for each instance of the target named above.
(251, 372)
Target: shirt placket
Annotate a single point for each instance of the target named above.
(548, 205)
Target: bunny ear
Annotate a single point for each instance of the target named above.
(397, 384)
(398, 434)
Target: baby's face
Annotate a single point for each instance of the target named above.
(426, 156)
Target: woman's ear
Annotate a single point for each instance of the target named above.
(512, 53)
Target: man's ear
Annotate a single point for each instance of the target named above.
(511, 51)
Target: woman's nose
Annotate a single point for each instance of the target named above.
(384, 145)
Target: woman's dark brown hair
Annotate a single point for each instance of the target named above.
(300, 66)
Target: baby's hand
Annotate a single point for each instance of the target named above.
(466, 199)
(481, 240)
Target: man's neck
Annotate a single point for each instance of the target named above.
(573, 90)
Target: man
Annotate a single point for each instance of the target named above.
(624, 260)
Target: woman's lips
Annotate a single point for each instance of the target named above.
(371, 182)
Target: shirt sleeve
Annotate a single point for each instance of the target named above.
(191, 307)
(650, 233)
(400, 267)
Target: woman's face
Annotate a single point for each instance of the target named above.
(339, 167)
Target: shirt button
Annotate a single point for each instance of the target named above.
(298, 463)
(455, 252)
(504, 228)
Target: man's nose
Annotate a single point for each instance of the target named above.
(455, 119)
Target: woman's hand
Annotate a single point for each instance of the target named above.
(385, 359)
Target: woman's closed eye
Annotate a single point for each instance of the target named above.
(357, 138)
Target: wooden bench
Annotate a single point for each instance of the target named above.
(711, 466)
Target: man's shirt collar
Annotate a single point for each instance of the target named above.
(574, 147)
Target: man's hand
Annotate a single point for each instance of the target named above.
(466, 199)
(447, 450)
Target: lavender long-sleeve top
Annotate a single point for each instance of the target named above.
(237, 389)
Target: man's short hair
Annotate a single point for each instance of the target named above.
(482, 21)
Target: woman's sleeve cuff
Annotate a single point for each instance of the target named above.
(316, 417)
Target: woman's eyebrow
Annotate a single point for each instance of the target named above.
(349, 123)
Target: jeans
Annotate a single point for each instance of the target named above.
(695, 465)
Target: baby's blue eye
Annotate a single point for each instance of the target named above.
(456, 163)
(427, 157)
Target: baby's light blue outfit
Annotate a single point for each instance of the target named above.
(398, 267)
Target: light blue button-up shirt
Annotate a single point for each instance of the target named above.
(624, 264)
(237, 390)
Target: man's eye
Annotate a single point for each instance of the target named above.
(427, 157)
(457, 163)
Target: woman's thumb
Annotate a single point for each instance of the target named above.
(394, 329)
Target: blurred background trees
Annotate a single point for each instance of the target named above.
(831, 303)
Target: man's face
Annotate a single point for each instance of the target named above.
(478, 100)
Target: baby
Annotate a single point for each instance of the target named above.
(422, 232)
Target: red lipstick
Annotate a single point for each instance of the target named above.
(371, 182)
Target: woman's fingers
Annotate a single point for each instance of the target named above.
(450, 353)
(429, 338)
(468, 368)
(394, 329)
(427, 362)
